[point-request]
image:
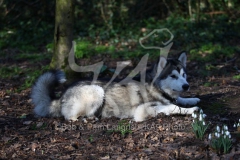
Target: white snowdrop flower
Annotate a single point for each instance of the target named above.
(196, 115)
(204, 123)
(193, 120)
(200, 117)
(238, 125)
(193, 115)
(201, 111)
(216, 134)
(222, 132)
(224, 136)
(234, 125)
(226, 128)
(204, 115)
(227, 133)
(229, 136)
(218, 129)
(210, 136)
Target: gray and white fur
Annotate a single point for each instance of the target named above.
(130, 100)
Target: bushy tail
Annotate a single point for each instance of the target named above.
(43, 96)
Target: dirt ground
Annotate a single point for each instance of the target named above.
(23, 136)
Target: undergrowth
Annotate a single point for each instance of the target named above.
(21, 72)
(123, 127)
(206, 41)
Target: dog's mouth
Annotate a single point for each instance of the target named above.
(183, 90)
(176, 90)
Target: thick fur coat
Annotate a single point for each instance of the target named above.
(130, 100)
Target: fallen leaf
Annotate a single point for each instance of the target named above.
(34, 146)
(23, 115)
(17, 145)
(105, 157)
(5, 103)
(27, 122)
(39, 124)
(6, 139)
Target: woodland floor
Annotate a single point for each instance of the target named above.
(23, 136)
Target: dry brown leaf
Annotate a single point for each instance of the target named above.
(27, 122)
(39, 124)
(105, 157)
(6, 139)
(16, 145)
(34, 146)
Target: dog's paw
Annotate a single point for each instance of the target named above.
(72, 119)
(194, 101)
(188, 101)
(188, 110)
(193, 109)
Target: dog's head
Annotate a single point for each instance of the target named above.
(170, 75)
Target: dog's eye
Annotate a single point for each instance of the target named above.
(173, 76)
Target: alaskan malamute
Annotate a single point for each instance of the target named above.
(130, 100)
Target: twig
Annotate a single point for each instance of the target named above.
(231, 60)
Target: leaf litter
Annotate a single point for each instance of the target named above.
(24, 136)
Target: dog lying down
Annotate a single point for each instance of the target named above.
(131, 100)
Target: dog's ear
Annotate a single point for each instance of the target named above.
(157, 68)
(183, 58)
(161, 64)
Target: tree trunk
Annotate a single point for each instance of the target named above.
(63, 34)
(198, 11)
(190, 9)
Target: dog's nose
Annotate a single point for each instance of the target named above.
(185, 87)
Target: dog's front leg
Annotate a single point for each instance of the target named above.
(174, 109)
(187, 101)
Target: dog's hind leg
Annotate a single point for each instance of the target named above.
(145, 110)
(82, 101)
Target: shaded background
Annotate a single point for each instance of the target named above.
(109, 30)
(207, 29)
(200, 24)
